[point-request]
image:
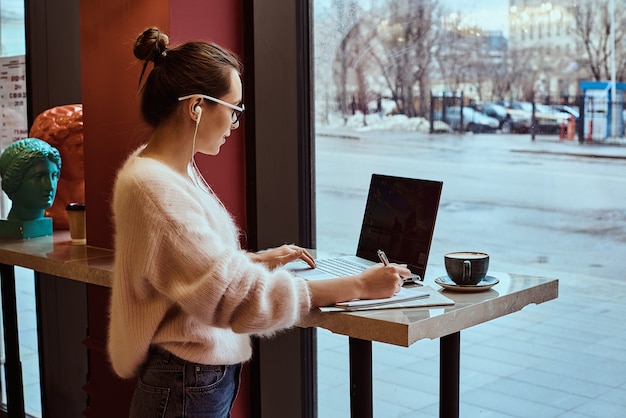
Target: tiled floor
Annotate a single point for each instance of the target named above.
(563, 358)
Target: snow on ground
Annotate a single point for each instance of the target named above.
(375, 122)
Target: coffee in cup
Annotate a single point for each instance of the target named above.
(466, 267)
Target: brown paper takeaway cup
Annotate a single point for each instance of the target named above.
(76, 219)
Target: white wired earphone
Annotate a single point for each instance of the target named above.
(192, 163)
(194, 170)
(198, 111)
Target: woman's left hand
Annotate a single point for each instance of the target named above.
(282, 255)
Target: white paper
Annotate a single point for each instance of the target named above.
(403, 295)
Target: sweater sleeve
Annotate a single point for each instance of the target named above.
(184, 246)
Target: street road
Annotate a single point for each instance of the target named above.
(533, 212)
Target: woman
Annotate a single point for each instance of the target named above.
(186, 297)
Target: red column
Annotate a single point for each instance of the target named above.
(112, 129)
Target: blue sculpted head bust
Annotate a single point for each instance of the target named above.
(30, 171)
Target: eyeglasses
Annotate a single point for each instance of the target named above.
(237, 110)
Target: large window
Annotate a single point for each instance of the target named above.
(538, 205)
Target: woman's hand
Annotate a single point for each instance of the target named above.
(377, 282)
(282, 255)
(381, 281)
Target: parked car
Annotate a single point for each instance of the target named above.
(510, 119)
(473, 120)
(548, 120)
(570, 110)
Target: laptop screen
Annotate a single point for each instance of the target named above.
(399, 219)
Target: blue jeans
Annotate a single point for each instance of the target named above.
(170, 387)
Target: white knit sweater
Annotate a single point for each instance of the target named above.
(180, 279)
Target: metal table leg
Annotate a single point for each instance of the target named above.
(361, 402)
(449, 365)
(361, 399)
(13, 366)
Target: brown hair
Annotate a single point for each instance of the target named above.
(195, 67)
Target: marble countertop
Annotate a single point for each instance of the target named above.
(56, 255)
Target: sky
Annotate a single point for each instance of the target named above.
(491, 15)
(488, 14)
(14, 8)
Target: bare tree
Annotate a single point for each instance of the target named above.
(523, 74)
(352, 65)
(408, 40)
(388, 52)
(460, 58)
(347, 12)
(593, 29)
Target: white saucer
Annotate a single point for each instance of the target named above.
(487, 283)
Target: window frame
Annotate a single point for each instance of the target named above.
(280, 204)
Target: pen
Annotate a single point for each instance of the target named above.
(383, 257)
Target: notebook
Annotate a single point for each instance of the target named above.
(412, 297)
(399, 218)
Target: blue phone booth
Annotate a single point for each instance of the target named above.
(602, 109)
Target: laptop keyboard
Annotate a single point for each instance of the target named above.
(339, 267)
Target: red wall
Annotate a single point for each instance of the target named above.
(112, 129)
(110, 76)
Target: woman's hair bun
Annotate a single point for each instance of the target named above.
(151, 45)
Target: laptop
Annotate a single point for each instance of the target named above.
(399, 219)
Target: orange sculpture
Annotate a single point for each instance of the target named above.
(62, 127)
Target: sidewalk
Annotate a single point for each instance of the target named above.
(610, 149)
